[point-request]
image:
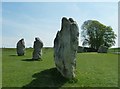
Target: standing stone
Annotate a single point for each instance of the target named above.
(37, 53)
(102, 49)
(21, 47)
(65, 48)
(80, 49)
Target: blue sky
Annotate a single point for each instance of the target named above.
(43, 19)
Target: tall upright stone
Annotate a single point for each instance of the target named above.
(38, 45)
(21, 47)
(65, 47)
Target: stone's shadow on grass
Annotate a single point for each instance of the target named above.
(13, 55)
(47, 79)
(29, 60)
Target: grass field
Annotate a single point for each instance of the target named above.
(0, 68)
(93, 70)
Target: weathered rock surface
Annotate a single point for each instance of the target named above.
(102, 49)
(37, 53)
(80, 49)
(65, 48)
(21, 47)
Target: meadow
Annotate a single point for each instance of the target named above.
(93, 70)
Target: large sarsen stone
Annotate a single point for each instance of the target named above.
(65, 48)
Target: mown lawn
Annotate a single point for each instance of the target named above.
(0, 68)
(93, 70)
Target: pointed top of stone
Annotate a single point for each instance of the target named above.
(65, 20)
(22, 39)
(71, 20)
(38, 39)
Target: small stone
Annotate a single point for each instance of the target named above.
(38, 45)
(80, 49)
(102, 49)
(21, 47)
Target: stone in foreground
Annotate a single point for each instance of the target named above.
(37, 53)
(65, 48)
(21, 47)
(102, 49)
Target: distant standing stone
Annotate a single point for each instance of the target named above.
(65, 48)
(21, 47)
(80, 49)
(102, 49)
(38, 45)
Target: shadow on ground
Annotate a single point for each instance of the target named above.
(28, 60)
(47, 79)
(13, 55)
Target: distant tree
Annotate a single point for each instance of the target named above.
(94, 34)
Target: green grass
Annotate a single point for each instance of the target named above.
(0, 68)
(93, 70)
